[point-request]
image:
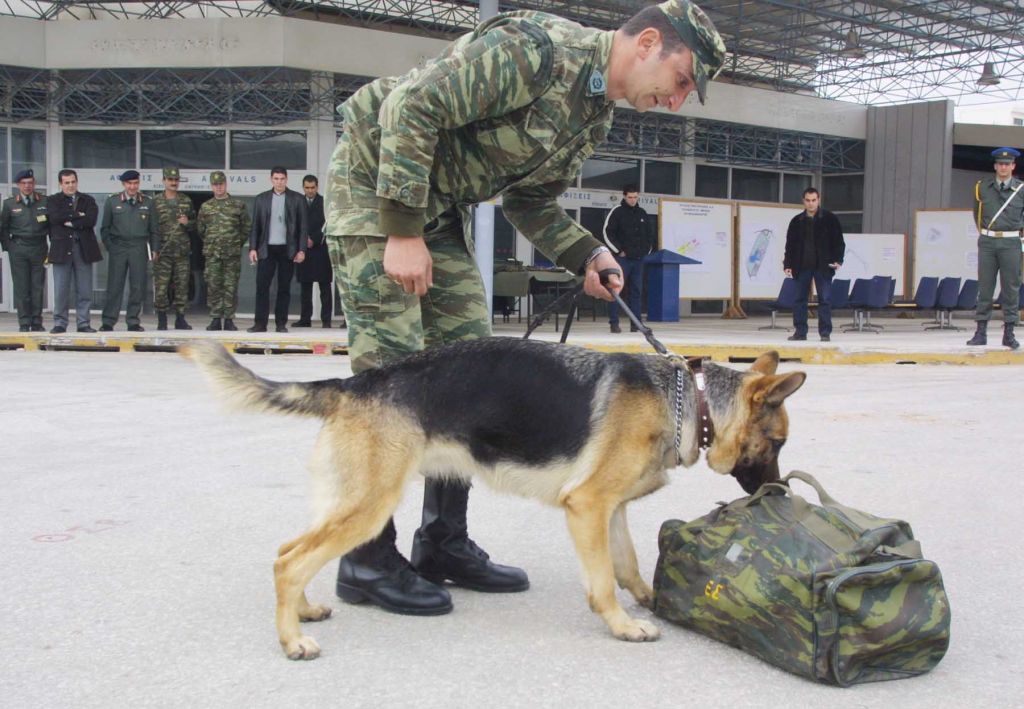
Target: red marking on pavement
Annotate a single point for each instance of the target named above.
(100, 525)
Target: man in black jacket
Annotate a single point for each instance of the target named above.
(277, 241)
(814, 250)
(317, 266)
(71, 216)
(629, 235)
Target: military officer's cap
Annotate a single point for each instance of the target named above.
(218, 178)
(24, 175)
(699, 34)
(1005, 154)
(171, 173)
(129, 175)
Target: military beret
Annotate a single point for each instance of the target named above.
(171, 173)
(24, 175)
(218, 178)
(129, 175)
(699, 34)
(1005, 154)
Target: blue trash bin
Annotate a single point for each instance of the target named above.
(662, 270)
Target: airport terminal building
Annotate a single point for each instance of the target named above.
(100, 89)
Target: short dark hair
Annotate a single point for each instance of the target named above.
(278, 170)
(651, 16)
(66, 172)
(310, 178)
(810, 190)
(630, 188)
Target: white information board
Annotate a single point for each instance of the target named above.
(945, 244)
(762, 235)
(870, 255)
(703, 231)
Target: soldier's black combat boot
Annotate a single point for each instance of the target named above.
(229, 324)
(180, 323)
(980, 337)
(442, 550)
(161, 321)
(377, 573)
(214, 324)
(1008, 339)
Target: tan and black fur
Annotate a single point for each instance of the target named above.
(581, 430)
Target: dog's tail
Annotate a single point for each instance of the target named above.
(243, 390)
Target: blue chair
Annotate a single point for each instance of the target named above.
(968, 298)
(927, 294)
(840, 293)
(785, 301)
(948, 296)
(857, 302)
(879, 297)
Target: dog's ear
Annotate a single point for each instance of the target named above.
(766, 363)
(777, 389)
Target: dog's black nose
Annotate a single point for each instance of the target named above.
(752, 477)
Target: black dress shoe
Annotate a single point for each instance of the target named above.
(633, 328)
(58, 330)
(796, 338)
(391, 583)
(614, 328)
(826, 338)
(281, 328)
(38, 327)
(23, 328)
(136, 328)
(257, 328)
(106, 328)
(302, 323)
(86, 328)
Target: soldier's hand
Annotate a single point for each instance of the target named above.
(182, 219)
(788, 272)
(592, 281)
(309, 243)
(253, 257)
(156, 256)
(299, 257)
(407, 262)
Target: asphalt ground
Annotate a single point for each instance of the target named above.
(141, 523)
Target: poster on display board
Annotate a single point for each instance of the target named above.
(870, 255)
(700, 230)
(762, 246)
(945, 244)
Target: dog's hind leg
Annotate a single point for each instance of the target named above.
(627, 571)
(589, 516)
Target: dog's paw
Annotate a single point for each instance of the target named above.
(637, 631)
(302, 648)
(313, 614)
(644, 595)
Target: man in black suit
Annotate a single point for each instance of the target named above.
(73, 250)
(277, 241)
(317, 266)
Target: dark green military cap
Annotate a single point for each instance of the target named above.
(171, 173)
(699, 34)
(218, 178)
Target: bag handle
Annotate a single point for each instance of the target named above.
(823, 496)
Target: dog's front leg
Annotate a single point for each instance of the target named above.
(627, 571)
(588, 519)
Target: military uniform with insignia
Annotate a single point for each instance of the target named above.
(513, 108)
(223, 225)
(999, 214)
(23, 231)
(130, 235)
(171, 270)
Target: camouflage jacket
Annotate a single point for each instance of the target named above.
(512, 108)
(167, 213)
(224, 220)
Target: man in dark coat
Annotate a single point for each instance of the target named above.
(317, 266)
(814, 250)
(629, 235)
(277, 241)
(71, 216)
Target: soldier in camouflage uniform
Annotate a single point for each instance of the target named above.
(223, 225)
(513, 108)
(176, 220)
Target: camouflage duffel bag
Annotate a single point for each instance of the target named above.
(827, 592)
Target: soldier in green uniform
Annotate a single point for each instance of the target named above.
(129, 233)
(176, 220)
(23, 230)
(513, 108)
(1000, 218)
(223, 225)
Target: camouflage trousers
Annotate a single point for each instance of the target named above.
(171, 271)
(384, 322)
(223, 268)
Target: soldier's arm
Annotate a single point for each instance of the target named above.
(504, 69)
(201, 225)
(108, 217)
(5, 225)
(244, 223)
(535, 212)
(154, 230)
(190, 215)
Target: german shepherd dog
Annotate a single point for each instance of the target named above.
(583, 430)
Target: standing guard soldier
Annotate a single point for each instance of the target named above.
(1000, 218)
(176, 220)
(129, 233)
(223, 225)
(23, 230)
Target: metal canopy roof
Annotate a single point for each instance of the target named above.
(873, 52)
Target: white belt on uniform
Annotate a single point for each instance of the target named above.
(1000, 234)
